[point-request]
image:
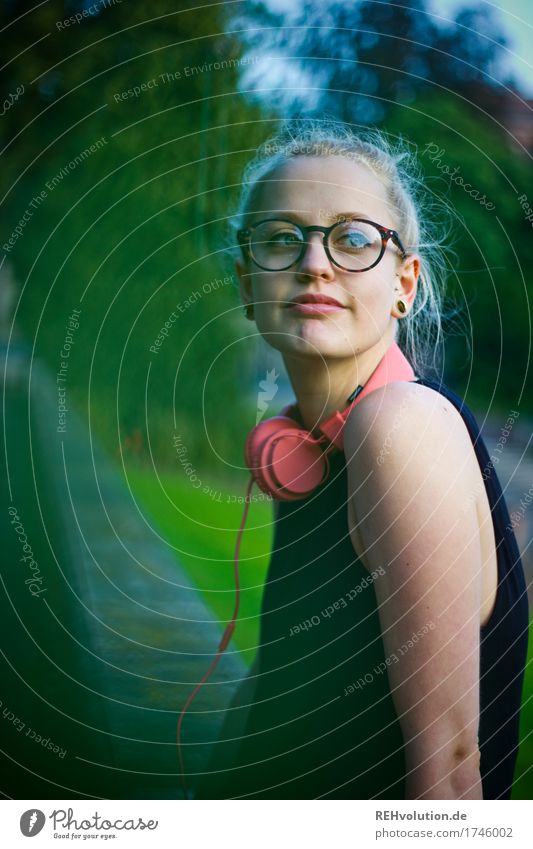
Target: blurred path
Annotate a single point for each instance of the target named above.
(99, 662)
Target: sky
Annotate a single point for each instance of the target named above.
(517, 24)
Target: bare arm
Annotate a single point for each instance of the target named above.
(417, 520)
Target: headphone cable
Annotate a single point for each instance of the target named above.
(226, 637)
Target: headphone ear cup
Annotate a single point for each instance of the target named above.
(284, 459)
(255, 442)
(296, 463)
(260, 433)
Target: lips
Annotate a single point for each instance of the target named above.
(315, 305)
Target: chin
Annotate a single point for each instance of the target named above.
(313, 336)
(318, 347)
(324, 338)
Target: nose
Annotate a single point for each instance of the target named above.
(315, 261)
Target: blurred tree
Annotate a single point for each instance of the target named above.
(131, 136)
(358, 59)
(491, 276)
(470, 50)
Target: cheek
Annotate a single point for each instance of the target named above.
(372, 296)
(269, 292)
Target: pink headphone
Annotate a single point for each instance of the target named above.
(289, 463)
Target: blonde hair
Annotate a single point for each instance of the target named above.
(419, 333)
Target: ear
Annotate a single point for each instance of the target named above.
(406, 283)
(245, 280)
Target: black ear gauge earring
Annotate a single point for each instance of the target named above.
(401, 306)
(248, 311)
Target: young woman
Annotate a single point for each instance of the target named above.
(394, 620)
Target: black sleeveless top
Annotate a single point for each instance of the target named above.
(323, 722)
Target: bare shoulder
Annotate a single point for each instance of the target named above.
(406, 416)
(412, 474)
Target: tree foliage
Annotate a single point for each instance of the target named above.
(130, 133)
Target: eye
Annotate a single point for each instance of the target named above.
(354, 237)
(286, 237)
(277, 234)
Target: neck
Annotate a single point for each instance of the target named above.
(322, 385)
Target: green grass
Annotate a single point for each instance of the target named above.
(523, 784)
(202, 528)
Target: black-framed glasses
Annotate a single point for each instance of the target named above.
(352, 244)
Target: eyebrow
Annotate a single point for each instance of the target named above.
(329, 216)
(349, 214)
